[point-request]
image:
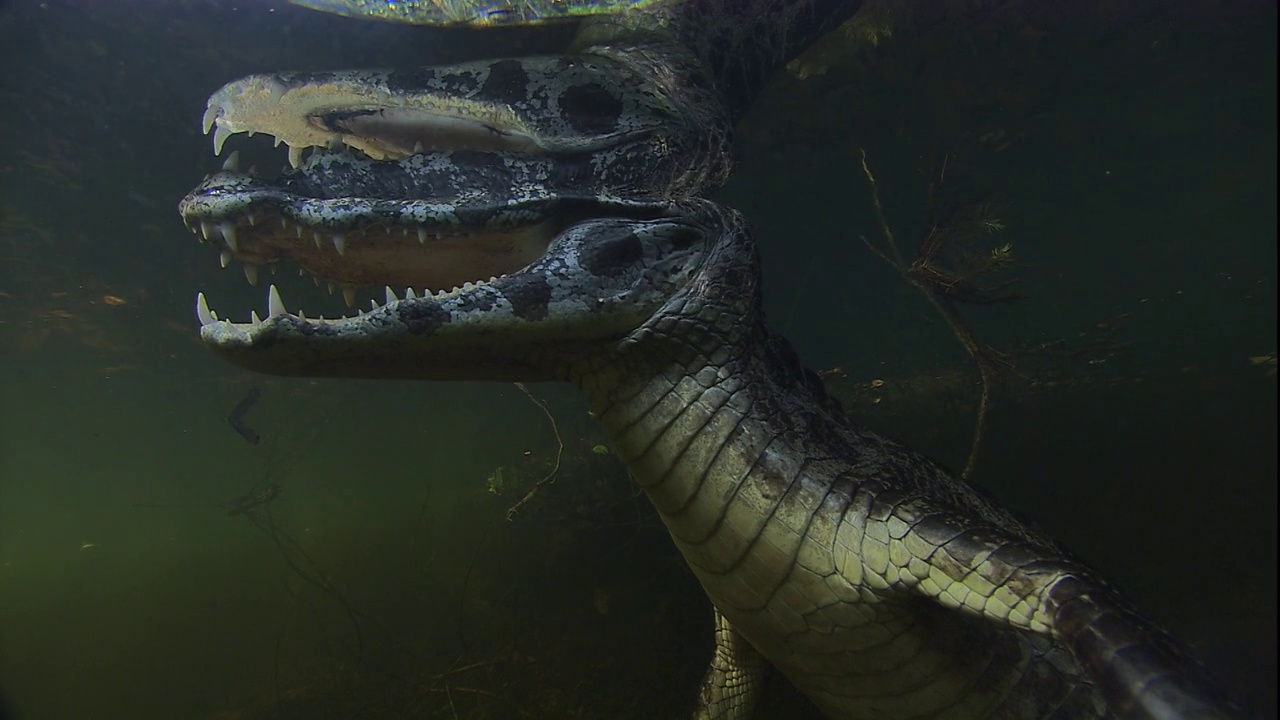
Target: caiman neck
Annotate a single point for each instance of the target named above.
(711, 400)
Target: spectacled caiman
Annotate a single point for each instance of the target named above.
(547, 217)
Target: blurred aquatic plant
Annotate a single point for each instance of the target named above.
(496, 482)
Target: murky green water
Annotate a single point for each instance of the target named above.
(1130, 155)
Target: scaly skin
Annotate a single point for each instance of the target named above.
(881, 586)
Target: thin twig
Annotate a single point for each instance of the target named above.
(942, 304)
(449, 695)
(511, 511)
(884, 224)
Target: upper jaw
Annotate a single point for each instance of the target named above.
(431, 222)
(535, 106)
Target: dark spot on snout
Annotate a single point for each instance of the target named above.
(590, 109)
(479, 303)
(529, 295)
(411, 80)
(423, 317)
(508, 82)
(612, 255)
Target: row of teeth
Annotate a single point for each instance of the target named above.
(275, 305)
(220, 135)
(227, 229)
(252, 274)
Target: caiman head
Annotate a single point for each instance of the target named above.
(515, 212)
(503, 205)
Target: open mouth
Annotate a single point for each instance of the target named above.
(422, 194)
(422, 246)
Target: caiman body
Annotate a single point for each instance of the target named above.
(546, 217)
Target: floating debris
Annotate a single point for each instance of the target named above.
(236, 417)
(261, 496)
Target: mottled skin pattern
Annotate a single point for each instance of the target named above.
(880, 585)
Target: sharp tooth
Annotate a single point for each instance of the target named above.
(315, 279)
(301, 272)
(468, 286)
(417, 147)
(232, 163)
(373, 304)
(225, 257)
(204, 229)
(297, 229)
(253, 220)
(251, 274)
(422, 234)
(275, 306)
(220, 135)
(316, 237)
(391, 295)
(202, 311)
(284, 224)
(275, 142)
(332, 287)
(409, 294)
(303, 316)
(349, 295)
(229, 234)
(211, 113)
(295, 157)
(340, 243)
(253, 317)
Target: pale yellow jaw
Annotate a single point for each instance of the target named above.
(362, 115)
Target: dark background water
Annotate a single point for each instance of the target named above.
(1127, 148)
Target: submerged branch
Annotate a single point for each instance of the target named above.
(550, 476)
(943, 290)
